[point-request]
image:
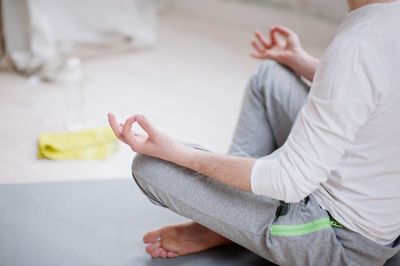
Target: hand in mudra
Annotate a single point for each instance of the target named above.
(153, 143)
(283, 46)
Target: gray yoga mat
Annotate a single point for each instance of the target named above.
(92, 223)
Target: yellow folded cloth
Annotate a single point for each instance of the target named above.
(91, 144)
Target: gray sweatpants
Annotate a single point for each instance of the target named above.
(286, 234)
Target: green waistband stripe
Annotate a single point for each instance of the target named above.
(301, 229)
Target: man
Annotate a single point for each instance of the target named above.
(329, 195)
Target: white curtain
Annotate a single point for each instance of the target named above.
(38, 33)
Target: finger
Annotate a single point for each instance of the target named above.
(268, 54)
(146, 125)
(126, 130)
(258, 55)
(128, 125)
(257, 47)
(272, 37)
(283, 30)
(114, 125)
(260, 37)
(290, 35)
(279, 39)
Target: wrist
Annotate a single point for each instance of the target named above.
(177, 153)
(305, 65)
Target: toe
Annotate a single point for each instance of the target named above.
(163, 253)
(156, 253)
(152, 236)
(149, 249)
(171, 254)
(153, 247)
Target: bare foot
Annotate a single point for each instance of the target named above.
(181, 239)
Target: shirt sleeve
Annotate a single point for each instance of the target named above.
(341, 100)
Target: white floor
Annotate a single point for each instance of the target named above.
(190, 85)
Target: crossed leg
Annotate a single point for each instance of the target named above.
(273, 98)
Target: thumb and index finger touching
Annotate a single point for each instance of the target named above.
(264, 49)
(282, 31)
(123, 130)
(285, 32)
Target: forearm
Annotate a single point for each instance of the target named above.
(233, 171)
(230, 170)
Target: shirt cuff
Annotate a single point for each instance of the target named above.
(255, 176)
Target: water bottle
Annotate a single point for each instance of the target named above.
(71, 80)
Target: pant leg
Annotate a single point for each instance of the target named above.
(307, 235)
(252, 221)
(240, 216)
(273, 98)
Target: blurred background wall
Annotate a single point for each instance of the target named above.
(335, 10)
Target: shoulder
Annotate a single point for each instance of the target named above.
(349, 67)
(346, 53)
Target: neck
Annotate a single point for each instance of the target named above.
(354, 4)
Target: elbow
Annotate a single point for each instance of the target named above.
(286, 183)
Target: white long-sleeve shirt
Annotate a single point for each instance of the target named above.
(344, 147)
